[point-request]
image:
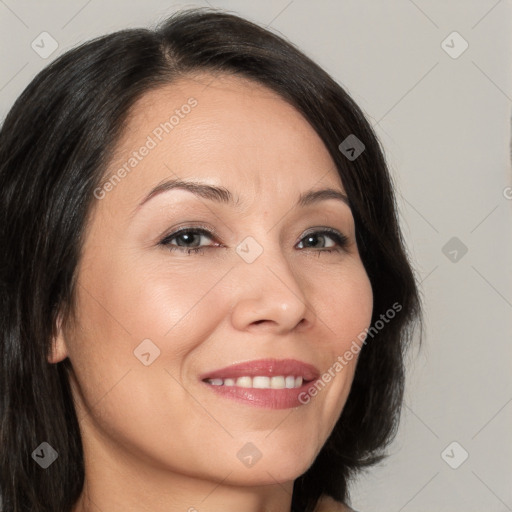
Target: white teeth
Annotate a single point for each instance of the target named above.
(290, 382)
(277, 382)
(261, 382)
(244, 382)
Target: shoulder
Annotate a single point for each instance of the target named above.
(328, 504)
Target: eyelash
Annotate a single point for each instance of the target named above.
(339, 238)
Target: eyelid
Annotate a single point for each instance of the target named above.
(201, 228)
(317, 229)
(339, 237)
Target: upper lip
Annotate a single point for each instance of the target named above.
(266, 368)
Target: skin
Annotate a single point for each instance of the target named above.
(155, 437)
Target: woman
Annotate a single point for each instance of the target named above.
(206, 297)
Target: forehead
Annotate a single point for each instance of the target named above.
(226, 130)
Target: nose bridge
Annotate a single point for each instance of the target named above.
(268, 290)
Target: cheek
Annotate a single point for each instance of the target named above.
(345, 304)
(352, 316)
(129, 300)
(128, 309)
(346, 310)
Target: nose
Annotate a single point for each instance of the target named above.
(270, 296)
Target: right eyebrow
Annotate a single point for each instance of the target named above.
(224, 195)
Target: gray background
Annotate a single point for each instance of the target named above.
(445, 126)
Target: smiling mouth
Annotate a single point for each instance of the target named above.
(266, 383)
(261, 382)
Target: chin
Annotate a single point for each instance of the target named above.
(273, 469)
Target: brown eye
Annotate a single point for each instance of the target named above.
(312, 238)
(189, 238)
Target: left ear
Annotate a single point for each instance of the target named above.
(59, 350)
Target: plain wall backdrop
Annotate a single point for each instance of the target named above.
(440, 103)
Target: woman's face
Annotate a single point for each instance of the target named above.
(153, 320)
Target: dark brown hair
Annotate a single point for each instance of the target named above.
(55, 145)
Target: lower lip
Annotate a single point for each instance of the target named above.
(265, 398)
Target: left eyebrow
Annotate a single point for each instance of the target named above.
(315, 196)
(223, 195)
